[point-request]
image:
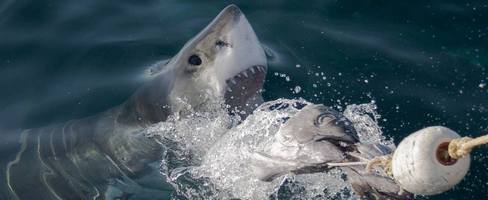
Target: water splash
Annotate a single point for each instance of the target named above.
(207, 156)
(365, 120)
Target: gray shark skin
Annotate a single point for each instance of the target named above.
(107, 156)
(318, 135)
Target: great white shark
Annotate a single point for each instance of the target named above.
(85, 158)
(107, 156)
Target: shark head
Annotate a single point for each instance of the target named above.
(225, 61)
(224, 64)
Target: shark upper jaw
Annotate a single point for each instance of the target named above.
(240, 64)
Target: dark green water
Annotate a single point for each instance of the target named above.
(422, 62)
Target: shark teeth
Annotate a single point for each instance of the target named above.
(252, 70)
(246, 74)
(258, 68)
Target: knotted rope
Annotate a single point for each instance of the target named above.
(461, 147)
(383, 162)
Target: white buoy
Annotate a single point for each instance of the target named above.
(421, 163)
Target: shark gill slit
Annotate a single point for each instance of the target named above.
(23, 140)
(49, 169)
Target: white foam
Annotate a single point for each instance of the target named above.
(212, 161)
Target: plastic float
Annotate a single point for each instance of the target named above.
(428, 162)
(421, 164)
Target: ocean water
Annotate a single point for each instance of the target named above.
(422, 63)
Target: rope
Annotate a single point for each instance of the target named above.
(461, 147)
(346, 164)
(382, 161)
(379, 161)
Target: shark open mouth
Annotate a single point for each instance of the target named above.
(244, 86)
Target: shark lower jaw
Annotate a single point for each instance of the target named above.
(241, 88)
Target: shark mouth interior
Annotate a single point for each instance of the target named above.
(243, 87)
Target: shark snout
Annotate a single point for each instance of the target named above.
(232, 10)
(228, 17)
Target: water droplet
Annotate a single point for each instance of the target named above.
(297, 89)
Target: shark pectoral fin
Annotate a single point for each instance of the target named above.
(266, 168)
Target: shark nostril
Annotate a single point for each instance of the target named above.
(221, 43)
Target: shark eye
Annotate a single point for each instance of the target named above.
(195, 60)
